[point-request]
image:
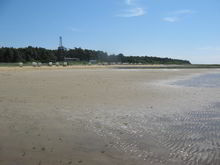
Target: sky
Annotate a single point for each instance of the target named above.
(184, 29)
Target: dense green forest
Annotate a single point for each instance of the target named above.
(29, 54)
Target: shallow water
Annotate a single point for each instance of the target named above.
(194, 137)
(207, 80)
(190, 138)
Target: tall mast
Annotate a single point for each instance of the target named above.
(61, 42)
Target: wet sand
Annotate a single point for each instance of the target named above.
(107, 116)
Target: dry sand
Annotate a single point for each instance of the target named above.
(106, 116)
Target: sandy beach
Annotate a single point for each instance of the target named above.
(106, 116)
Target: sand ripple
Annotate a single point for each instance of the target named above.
(191, 138)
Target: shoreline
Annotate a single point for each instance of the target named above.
(18, 68)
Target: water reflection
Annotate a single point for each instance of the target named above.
(207, 80)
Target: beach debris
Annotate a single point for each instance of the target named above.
(23, 154)
(80, 161)
(125, 124)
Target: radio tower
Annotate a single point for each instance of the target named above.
(61, 47)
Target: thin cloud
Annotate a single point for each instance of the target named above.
(177, 15)
(134, 12)
(171, 19)
(185, 11)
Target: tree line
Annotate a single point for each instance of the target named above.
(30, 54)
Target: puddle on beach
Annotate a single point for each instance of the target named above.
(207, 80)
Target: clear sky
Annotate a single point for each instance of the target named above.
(186, 29)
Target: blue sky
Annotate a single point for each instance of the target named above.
(186, 29)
